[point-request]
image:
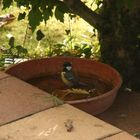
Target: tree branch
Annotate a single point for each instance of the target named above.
(79, 8)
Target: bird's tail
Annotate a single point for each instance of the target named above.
(83, 84)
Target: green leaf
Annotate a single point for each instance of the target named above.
(67, 32)
(47, 7)
(7, 3)
(21, 16)
(21, 49)
(59, 14)
(47, 13)
(23, 3)
(60, 10)
(62, 6)
(40, 35)
(35, 3)
(11, 42)
(34, 17)
(86, 50)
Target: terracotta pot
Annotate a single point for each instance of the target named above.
(51, 66)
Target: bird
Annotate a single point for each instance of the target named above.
(68, 77)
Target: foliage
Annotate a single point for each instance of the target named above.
(39, 11)
(71, 47)
(39, 35)
(53, 38)
(11, 52)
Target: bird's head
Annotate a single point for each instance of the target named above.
(67, 66)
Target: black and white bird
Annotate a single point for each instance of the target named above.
(68, 76)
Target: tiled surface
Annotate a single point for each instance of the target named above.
(3, 75)
(50, 125)
(19, 99)
(121, 136)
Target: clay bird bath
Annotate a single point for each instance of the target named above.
(45, 74)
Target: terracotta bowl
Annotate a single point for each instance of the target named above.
(52, 66)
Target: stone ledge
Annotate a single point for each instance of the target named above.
(51, 125)
(19, 99)
(3, 75)
(121, 136)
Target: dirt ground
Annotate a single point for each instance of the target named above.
(124, 113)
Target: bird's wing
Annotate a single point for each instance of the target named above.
(71, 77)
